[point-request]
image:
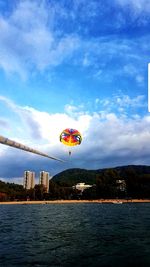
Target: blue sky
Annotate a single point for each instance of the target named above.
(78, 64)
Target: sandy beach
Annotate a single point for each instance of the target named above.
(101, 201)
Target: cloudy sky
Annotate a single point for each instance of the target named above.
(74, 64)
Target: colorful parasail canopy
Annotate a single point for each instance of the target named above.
(70, 137)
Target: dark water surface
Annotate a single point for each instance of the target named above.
(75, 235)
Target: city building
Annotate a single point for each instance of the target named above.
(29, 180)
(44, 180)
(121, 185)
(81, 186)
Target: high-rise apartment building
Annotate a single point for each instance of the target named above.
(44, 180)
(29, 180)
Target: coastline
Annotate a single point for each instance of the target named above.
(100, 201)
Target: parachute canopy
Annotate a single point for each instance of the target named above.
(70, 137)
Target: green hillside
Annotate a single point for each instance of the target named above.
(71, 177)
(11, 191)
(135, 182)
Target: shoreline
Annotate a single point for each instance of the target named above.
(100, 201)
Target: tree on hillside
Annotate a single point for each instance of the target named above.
(40, 191)
(106, 183)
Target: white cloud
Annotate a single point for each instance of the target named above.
(134, 72)
(139, 78)
(98, 74)
(4, 123)
(97, 100)
(18, 180)
(138, 6)
(15, 180)
(31, 39)
(38, 125)
(122, 104)
(127, 101)
(70, 108)
(28, 39)
(75, 111)
(108, 139)
(8, 102)
(86, 60)
(51, 125)
(126, 58)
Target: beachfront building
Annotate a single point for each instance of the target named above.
(81, 186)
(121, 185)
(29, 180)
(44, 180)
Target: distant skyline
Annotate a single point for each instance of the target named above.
(74, 64)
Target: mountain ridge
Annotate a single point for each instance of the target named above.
(72, 176)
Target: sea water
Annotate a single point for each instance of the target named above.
(88, 234)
